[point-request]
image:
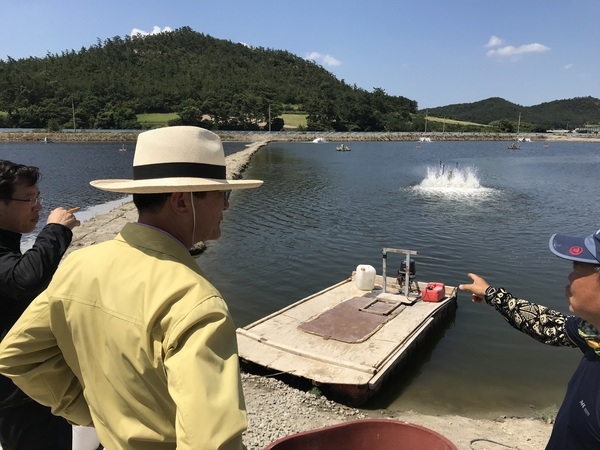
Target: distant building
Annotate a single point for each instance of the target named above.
(589, 128)
(558, 131)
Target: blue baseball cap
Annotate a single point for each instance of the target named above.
(582, 249)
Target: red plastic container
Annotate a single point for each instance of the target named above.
(433, 292)
(366, 434)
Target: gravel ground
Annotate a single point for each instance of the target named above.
(276, 410)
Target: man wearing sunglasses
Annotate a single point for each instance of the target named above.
(25, 424)
(130, 336)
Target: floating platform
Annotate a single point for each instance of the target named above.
(345, 340)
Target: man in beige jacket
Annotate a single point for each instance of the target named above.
(130, 336)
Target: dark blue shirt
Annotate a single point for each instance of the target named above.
(577, 425)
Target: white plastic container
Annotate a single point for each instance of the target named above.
(365, 277)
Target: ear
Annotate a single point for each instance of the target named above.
(180, 202)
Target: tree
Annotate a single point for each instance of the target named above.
(504, 126)
(277, 124)
(53, 125)
(205, 80)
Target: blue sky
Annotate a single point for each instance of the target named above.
(435, 52)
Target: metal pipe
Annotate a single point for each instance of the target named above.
(407, 276)
(384, 268)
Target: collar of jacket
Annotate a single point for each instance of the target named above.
(11, 240)
(152, 240)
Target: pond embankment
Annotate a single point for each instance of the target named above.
(294, 136)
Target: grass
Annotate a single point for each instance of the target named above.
(547, 414)
(463, 124)
(315, 391)
(294, 120)
(458, 122)
(156, 118)
(291, 120)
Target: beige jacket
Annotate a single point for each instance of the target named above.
(131, 336)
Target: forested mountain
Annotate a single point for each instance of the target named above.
(558, 114)
(223, 85)
(210, 82)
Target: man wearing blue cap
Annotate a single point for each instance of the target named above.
(577, 424)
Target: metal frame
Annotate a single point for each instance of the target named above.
(408, 254)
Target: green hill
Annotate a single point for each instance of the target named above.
(186, 77)
(558, 114)
(205, 81)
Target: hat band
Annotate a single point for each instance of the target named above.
(179, 170)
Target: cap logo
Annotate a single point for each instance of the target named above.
(576, 250)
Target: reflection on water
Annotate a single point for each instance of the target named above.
(320, 213)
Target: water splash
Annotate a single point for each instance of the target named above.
(452, 180)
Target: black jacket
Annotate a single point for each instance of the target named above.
(22, 277)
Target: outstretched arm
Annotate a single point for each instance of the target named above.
(541, 323)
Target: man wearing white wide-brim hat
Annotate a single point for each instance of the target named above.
(130, 336)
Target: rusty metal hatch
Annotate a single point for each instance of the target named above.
(382, 307)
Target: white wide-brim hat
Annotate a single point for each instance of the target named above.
(177, 159)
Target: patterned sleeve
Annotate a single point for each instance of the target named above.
(541, 323)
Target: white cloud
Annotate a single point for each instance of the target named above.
(325, 60)
(568, 66)
(510, 51)
(494, 41)
(155, 30)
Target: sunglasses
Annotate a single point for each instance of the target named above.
(226, 194)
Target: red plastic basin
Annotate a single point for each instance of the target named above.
(366, 434)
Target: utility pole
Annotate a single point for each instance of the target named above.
(269, 118)
(73, 108)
